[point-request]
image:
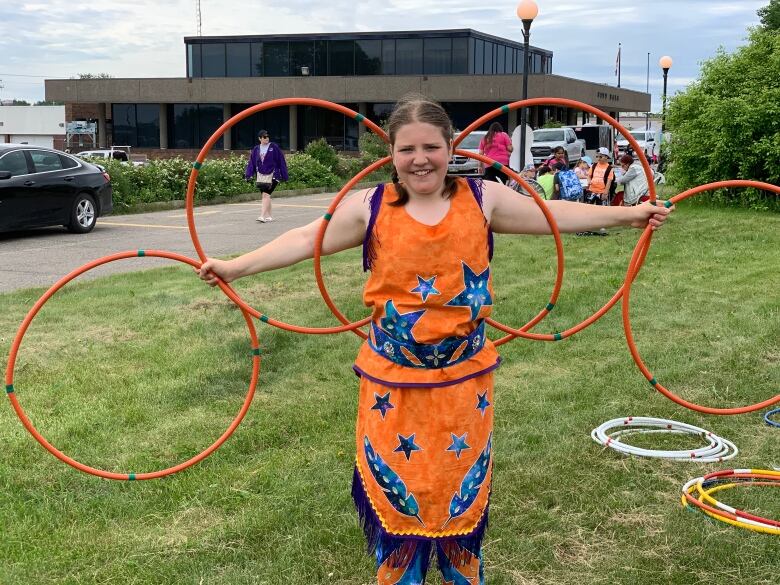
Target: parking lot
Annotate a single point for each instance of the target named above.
(38, 258)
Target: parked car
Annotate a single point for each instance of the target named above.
(645, 138)
(43, 187)
(120, 153)
(461, 165)
(548, 139)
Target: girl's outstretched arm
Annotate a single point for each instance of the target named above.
(511, 213)
(346, 229)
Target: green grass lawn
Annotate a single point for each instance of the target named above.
(137, 372)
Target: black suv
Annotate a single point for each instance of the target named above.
(44, 187)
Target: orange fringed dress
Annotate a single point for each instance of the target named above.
(425, 411)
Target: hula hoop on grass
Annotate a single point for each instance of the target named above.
(633, 269)
(193, 179)
(768, 418)
(522, 331)
(714, 482)
(611, 433)
(498, 166)
(11, 391)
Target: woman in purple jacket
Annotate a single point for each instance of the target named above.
(267, 168)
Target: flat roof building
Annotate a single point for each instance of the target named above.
(469, 72)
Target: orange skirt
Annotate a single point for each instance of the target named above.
(424, 459)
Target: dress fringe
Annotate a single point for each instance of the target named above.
(377, 537)
(370, 241)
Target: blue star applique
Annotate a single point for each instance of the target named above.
(399, 325)
(382, 404)
(458, 444)
(482, 402)
(407, 445)
(425, 287)
(475, 293)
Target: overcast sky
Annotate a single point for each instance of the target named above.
(42, 39)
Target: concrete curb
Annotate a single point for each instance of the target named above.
(181, 203)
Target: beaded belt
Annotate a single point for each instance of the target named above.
(447, 352)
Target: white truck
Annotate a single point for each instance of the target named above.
(646, 139)
(547, 139)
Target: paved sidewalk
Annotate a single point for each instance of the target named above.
(38, 258)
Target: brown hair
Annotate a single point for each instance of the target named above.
(626, 159)
(418, 108)
(495, 128)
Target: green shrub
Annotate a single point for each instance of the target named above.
(305, 172)
(372, 147)
(324, 153)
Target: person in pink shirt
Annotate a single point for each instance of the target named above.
(497, 145)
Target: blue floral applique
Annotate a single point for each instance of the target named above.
(475, 293)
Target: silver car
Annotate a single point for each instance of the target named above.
(461, 165)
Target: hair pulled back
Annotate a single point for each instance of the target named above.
(418, 108)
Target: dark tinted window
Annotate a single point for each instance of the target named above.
(437, 56)
(489, 56)
(238, 58)
(257, 59)
(537, 66)
(276, 121)
(302, 55)
(342, 58)
(183, 126)
(45, 161)
(320, 57)
(276, 59)
(123, 117)
(368, 57)
(500, 58)
(67, 162)
(479, 57)
(213, 60)
(388, 56)
(193, 61)
(15, 163)
(460, 63)
(147, 126)
(408, 56)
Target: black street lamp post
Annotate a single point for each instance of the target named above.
(666, 63)
(526, 11)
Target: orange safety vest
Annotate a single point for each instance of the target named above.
(599, 177)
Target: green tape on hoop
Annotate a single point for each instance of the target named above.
(9, 388)
(668, 204)
(255, 351)
(653, 382)
(550, 306)
(264, 318)
(360, 117)
(557, 337)
(141, 253)
(497, 166)
(505, 109)
(328, 216)
(197, 165)
(131, 476)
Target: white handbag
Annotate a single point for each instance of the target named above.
(265, 178)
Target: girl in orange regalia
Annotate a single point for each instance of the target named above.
(424, 433)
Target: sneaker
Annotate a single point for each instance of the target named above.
(261, 219)
(269, 218)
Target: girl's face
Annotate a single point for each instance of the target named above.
(559, 155)
(420, 155)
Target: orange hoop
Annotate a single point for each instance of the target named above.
(637, 258)
(11, 391)
(191, 183)
(539, 201)
(522, 332)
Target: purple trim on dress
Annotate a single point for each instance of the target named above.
(477, 188)
(378, 538)
(362, 374)
(369, 241)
